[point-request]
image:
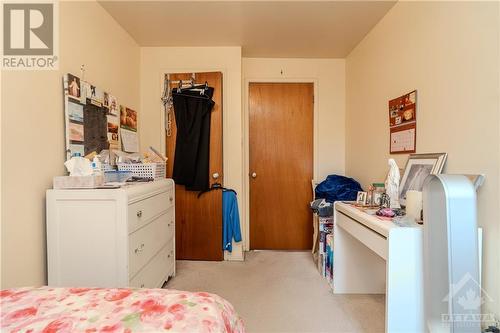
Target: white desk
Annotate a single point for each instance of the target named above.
(373, 256)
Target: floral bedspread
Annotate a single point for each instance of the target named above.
(51, 310)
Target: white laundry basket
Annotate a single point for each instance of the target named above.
(145, 170)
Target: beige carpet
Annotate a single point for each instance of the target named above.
(276, 291)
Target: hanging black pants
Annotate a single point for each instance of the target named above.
(192, 148)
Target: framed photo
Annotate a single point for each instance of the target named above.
(361, 198)
(417, 168)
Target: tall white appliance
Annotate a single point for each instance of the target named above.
(451, 255)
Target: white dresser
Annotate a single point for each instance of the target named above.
(111, 237)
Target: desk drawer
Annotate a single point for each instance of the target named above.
(141, 212)
(371, 239)
(146, 242)
(156, 271)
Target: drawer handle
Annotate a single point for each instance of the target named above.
(142, 285)
(171, 199)
(139, 213)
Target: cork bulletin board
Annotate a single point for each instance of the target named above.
(403, 124)
(92, 117)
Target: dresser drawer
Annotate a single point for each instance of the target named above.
(156, 271)
(147, 241)
(141, 212)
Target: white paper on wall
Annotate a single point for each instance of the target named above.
(403, 140)
(130, 141)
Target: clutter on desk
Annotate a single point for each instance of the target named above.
(392, 184)
(144, 170)
(385, 201)
(385, 212)
(393, 194)
(378, 191)
(124, 157)
(97, 170)
(414, 204)
(78, 166)
(361, 198)
(153, 165)
(82, 174)
(117, 177)
(406, 221)
(77, 182)
(154, 156)
(337, 188)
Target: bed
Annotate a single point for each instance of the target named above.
(51, 310)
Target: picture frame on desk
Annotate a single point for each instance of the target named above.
(361, 198)
(417, 168)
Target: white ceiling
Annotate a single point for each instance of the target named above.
(300, 29)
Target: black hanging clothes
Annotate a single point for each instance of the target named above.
(192, 148)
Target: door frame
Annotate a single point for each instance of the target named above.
(246, 140)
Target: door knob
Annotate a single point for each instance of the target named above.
(254, 174)
(215, 175)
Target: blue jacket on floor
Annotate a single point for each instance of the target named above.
(230, 220)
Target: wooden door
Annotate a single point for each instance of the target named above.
(198, 230)
(281, 165)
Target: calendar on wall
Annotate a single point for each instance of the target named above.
(403, 124)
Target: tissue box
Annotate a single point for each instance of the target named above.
(67, 182)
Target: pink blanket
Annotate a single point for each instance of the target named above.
(115, 310)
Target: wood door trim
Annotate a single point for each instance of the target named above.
(246, 145)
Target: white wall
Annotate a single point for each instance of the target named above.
(155, 62)
(449, 52)
(33, 129)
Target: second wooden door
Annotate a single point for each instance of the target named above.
(198, 230)
(281, 165)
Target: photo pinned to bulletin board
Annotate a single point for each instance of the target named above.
(92, 120)
(128, 130)
(403, 124)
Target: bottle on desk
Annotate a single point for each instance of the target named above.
(97, 165)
